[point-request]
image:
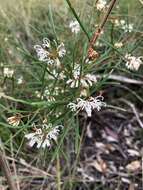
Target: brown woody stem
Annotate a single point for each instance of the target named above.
(98, 32)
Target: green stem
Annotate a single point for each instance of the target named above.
(78, 19)
(43, 80)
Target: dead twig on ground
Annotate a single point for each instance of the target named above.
(121, 79)
(6, 170)
(132, 106)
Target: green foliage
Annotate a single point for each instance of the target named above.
(24, 24)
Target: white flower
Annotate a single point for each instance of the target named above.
(38, 94)
(133, 63)
(61, 50)
(76, 70)
(85, 81)
(119, 22)
(88, 80)
(101, 4)
(48, 54)
(99, 44)
(43, 136)
(74, 26)
(118, 44)
(48, 95)
(122, 22)
(20, 80)
(116, 22)
(128, 27)
(8, 72)
(46, 43)
(42, 54)
(87, 105)
(124, 26)
(76, 73)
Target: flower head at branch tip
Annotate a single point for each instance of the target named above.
(74, 26)
(127, 27)
(41, 53)
(46, 43)
(118, 44)
(61, 50)
(43, 136)
(7, 72)
(49, 54)
(132, 62)
(20, 80)
(85, 81)
(87, 105)
(101, 5)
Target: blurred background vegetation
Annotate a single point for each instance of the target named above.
(24, 23)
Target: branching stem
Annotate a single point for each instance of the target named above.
(98, 32)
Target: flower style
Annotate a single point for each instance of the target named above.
(88, 80)
(61, 50)
(85, 81)
(8, 72)
(47, 53)
(101, 4)
(43, 136)
(74, 26)
(133, 63)
(87, 105)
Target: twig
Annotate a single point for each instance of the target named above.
(121, 79)
(58, 174)
(5, 167)
(134, 110)
(92, 54)
(14, 167)
(24, 163)
(98, 32)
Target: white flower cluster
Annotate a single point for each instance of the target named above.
(87, 105)
(85, 81)
(43, 136)
(74, 26)
(133, 63)
(48, 54)
(127, 27)
(118, 44)
(7, 72)
(101, 5)
(48, 95)
(20, 80)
